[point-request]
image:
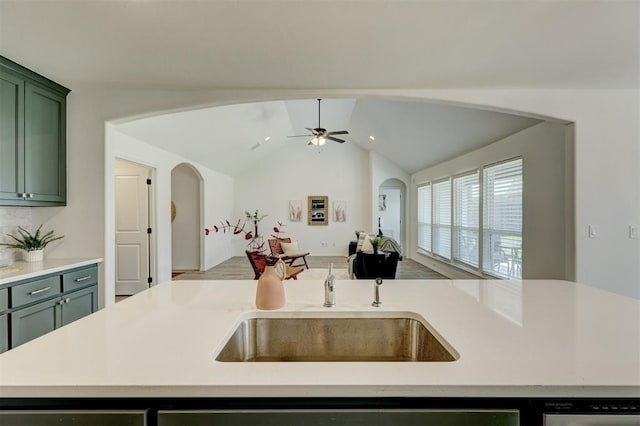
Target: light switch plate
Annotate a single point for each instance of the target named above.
(633, 232)
(593, 231)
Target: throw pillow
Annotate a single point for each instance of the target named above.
(291, 248)
(367, 247)
(361, 239)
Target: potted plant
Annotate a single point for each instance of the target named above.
(32, 244)
(376, 243)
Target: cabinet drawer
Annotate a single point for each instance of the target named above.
(4, 299)
(34, 291)
(80, 278)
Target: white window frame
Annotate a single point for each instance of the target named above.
(509, 266)
(429, 218)
(436, 226)
(514, 268)
(467, 261)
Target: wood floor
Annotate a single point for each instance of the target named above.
(238, 268)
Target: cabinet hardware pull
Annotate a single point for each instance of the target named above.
(83, 278)
(30, 195)
(61, 302)
(42, 290)
(21, 195)
(67, 300)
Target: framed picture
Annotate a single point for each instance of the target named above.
(382, 202)
(317, 210)
(340, 211)
(295, 210)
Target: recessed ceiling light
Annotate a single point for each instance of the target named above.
(267, 138)
(372, 138)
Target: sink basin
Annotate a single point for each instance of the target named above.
(333, 339)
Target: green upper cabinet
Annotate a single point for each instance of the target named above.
(32, 138)
(11, 135)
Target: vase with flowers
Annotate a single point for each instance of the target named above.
(32, 244)
(255, 240)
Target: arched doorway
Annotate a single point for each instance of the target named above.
(186, 226)
(391, 209)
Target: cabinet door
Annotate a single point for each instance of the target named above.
(4, 333)
(45, 145)
(11, 136)
(73, 418)
(34, 321)
(79, 304)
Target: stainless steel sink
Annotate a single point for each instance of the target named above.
(331, 339)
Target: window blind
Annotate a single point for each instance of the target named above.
(466, 210)
(502, 223)
(442, 218)
(424, 217)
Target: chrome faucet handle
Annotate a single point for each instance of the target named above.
(376, 293)
(330, 289)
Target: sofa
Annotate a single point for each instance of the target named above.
(365, 264)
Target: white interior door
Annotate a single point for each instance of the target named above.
(132, 223)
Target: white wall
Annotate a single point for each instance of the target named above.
(186, 229)
(542, 148)
(607, 153)
(381, 170)
(607, 176)
(390, 218)
(293, 173)
(10, 219)
(218, 193)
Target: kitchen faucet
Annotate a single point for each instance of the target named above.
(330, 289)
(376, 293)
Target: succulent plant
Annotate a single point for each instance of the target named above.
(30, 242)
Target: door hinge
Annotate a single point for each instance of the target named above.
(149, 280)
(148, 230)
(148, 181)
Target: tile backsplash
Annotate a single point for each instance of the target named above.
(10, 219)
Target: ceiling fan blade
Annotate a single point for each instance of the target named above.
(339, 132)
(299, 136)
(331, 138)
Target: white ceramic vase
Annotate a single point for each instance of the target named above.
(34, 256)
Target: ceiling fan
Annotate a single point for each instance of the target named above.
(320, 135)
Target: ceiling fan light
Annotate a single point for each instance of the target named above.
(321, 140)
(315, 140)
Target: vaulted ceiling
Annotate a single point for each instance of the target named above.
(413, 135)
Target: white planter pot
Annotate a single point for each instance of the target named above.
(34, 256)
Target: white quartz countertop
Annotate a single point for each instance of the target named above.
(529, 339)
(18, 271)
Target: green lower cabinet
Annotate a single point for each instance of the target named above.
(36, 306)
(34, 321)
(4, 333)
(79, 304)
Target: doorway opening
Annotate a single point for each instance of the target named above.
(391, 209)
(186, 222)
(133, 228)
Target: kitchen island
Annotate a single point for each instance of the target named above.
(514, 341)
